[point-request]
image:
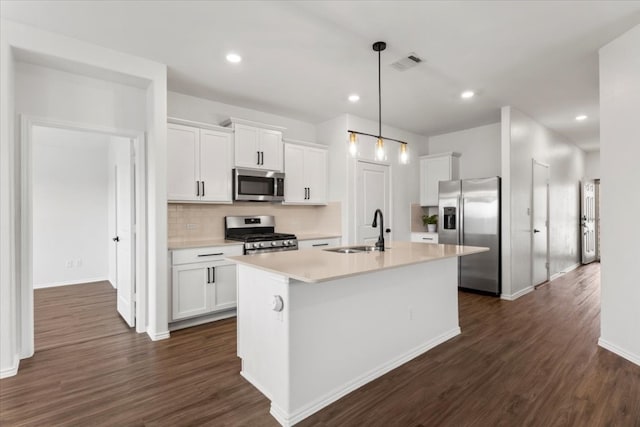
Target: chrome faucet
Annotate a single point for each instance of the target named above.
(380, 242)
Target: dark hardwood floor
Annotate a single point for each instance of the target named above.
(72, 314)
(531, 362)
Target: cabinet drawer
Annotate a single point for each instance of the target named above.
(424, 237)
(208, 254)
(319, 243)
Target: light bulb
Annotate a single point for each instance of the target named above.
(380, 149)
(353, 147)
(404, 156)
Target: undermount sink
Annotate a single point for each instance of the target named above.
(354, 249)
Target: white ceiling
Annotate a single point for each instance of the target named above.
(302, 58)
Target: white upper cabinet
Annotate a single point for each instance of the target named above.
(258, 148)
(199, 163)
(433, 169)
(305, 169)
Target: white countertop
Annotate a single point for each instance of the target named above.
(316, 236)
(318, 265)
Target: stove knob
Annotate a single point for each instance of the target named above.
(262, 245)
(286, 243)
(249, 245)
(274, 243)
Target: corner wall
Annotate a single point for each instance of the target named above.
(527, 140)
(620, 151)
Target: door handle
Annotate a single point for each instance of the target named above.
(198, 188)
(388, 230)
(536, 230)
(208, 275)
(116, 239)
(213, 275)
(308, 193)
(202, 188)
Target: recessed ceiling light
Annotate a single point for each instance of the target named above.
(354, 98)
(234, 58)
(581, 117)
(467, 94)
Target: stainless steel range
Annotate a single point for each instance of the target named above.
(258, 234)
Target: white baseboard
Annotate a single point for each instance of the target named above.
(565, 271)
(70, 282)
(290, 419)
(157, 336)
(195, 321)
(513, 297)
(12, 370)
(634, 358)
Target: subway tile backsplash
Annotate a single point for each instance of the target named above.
(193, 221)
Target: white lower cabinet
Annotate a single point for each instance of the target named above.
(203, 282)
(319, 243)
(424, 237)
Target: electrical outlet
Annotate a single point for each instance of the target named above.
(69, 264)
(192, 226)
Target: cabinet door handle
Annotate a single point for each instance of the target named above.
(208, 275)
(262, 157)
(202, 188)
(213, 275)
(198, 188)
(320, 244)
(258, 161)
(427, 238)
(216, 254)
(308, 193)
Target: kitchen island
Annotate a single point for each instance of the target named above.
(314, 325)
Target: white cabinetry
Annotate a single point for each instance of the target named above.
(424, 237)
(203, 282)
(199, 163)
(435, 168)
(305, 169)
(258, 148)
(319, 243)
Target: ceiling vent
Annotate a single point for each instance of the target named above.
(410, 61)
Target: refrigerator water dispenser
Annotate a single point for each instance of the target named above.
(449, 220)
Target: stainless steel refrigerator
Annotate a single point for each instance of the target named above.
(469, 214)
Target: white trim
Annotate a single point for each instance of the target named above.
(200, 320)
(518, 294)
(565, 271)
(257, 385)
(157, 336)
(71, 282)
(236, 121)
(202, 125)
(290, 419)
(436, 155)
(12, 371)
(634, 358)
(27, 122)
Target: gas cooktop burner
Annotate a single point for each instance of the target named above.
(257, 233)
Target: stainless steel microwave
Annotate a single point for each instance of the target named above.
(258, 185)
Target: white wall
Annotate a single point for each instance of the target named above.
(70, 181)
(620, 151)
(527, 140)
(47, 92)
(592, 165)
(404, 178)
(204, 110)
(479, 148)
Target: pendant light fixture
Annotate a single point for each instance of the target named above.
(380, 153)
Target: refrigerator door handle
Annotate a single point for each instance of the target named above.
(461, 221)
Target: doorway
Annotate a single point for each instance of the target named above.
(373, 186)
(540, 224)
(73, 231)
(588, 214)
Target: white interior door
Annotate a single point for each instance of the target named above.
(588, 221)
(540, 224)
(125, 238)
(372, 192)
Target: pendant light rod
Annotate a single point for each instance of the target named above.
(377, 136)
(379, 47)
